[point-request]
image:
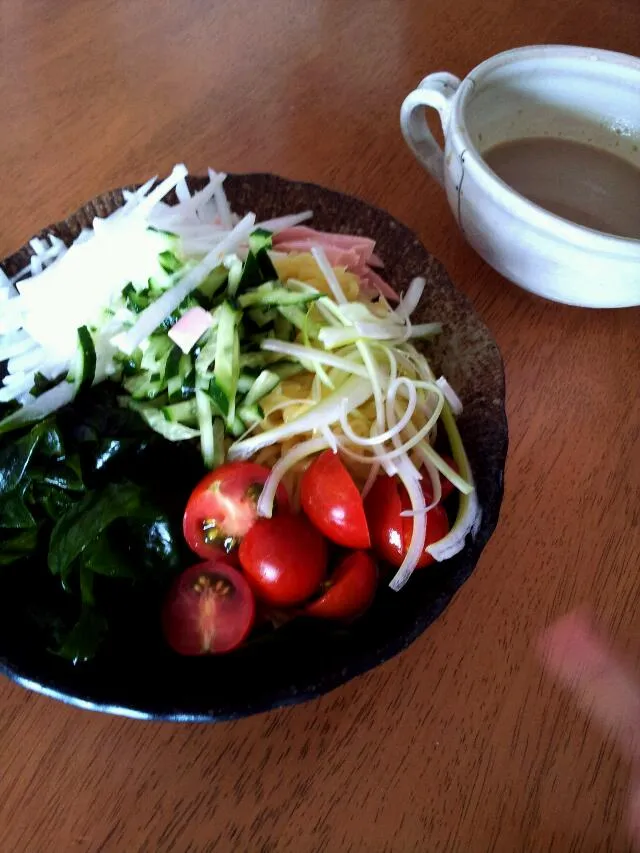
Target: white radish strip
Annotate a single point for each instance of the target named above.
(5, 281)
(132, 199)
(8, 325)
(15, 389)
(29, 361)
(355, 391)
(182, 192)
(42, 406)
(190, 206)
(297, 454)
(15, 344)
(282, 223)
(419, 533)
(38, 246)
(222, 203)
(450, 395)
(410, 299)
(159, 310)
(149, 202)
(15, 378)
(297, 352)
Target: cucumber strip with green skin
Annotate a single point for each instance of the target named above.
(264, 384)
(209, 286)
(144, 386)
(218, 442)
(170, 430)
(250, 414)
(237, 427)
(184, 413)
(265, 264)
(258, 359)
(251, 274)
(218, 398)
(260, 239)
(136, 300)
(85, 367)
(169, 262)
(227, 362)
(298, 318)
(158, 283)
(235, 276)
(283, 329)
(205, 425)
(245, 383)
(207, 354)
(276, 297)
(156, 353)
(262, 317)
(172, 365)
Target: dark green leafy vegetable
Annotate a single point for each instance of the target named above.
(86, 520)
(83, 641)
(18, 546)
(79, 517)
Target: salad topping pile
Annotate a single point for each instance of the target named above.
(280, 352)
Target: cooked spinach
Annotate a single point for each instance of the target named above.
(84, 497)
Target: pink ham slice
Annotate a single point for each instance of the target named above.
(342, 250)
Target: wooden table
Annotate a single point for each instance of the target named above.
(459, 744)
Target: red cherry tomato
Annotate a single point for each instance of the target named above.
(332, 502)
(209, 610)
(222, 508)
(284, 558)
(391, 532)
(350, 590)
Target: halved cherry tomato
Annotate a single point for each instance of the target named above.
(222, 508)
(391, 532)
(209, 610)
(284, 558)
(349, 591)
(332, 502)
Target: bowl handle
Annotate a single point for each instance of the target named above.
(436, 91)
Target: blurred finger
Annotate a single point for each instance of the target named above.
(575, 653)
(634, 814)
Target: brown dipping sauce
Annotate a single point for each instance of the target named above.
(581, 183)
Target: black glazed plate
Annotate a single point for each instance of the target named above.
(138, 676)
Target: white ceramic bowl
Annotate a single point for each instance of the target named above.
(574, 93)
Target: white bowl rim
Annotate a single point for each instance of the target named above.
(537, 217)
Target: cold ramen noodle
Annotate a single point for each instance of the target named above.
(258, 385)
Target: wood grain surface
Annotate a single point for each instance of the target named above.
(460, 744)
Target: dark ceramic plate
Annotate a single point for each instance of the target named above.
(141, 677)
